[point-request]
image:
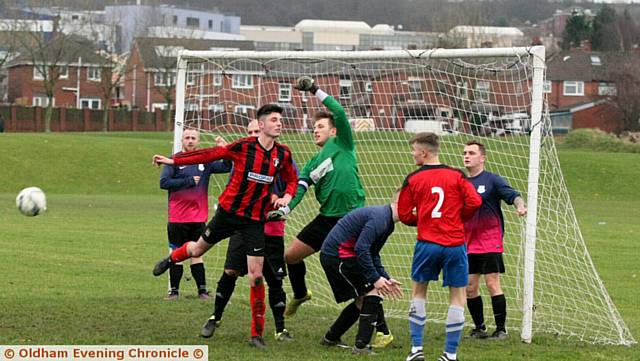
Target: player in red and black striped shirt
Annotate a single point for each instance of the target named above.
(241, 208)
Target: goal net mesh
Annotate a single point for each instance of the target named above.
(388, 99)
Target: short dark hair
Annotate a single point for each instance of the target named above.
(481, 146)
(427, 139)
(268, 109)
(324, 115)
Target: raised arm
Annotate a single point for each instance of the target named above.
(203, 156)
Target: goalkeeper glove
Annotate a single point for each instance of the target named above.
(278, 214)
(306, 83)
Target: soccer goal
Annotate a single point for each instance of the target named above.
(493, 95)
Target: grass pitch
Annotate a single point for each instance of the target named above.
(81, 273)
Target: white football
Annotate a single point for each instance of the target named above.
(31, 201)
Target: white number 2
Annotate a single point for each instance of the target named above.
(435, 213)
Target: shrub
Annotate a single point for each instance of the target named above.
(595, 139)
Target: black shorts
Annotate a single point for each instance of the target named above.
(483, 263)
(224, 225)
(346, 277)
(181, 233)
(273, 255)
(314, 233)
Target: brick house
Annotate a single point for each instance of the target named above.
(71, 68)
(583, 85)
(149, 81)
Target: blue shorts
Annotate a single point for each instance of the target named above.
(429, 258)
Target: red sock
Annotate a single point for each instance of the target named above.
(180, 254)
(257, 309)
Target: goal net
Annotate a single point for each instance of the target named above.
(492, 95)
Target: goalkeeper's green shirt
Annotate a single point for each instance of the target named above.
(334, 170)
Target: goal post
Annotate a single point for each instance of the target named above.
(493, 95)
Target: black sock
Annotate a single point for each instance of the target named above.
(499, 304)
(347, 318)
(277, 302)
(226, 285)
(198, 273)
(477, 312)
(381, 324)
(368, 316)
(297, 273)
(175, 275)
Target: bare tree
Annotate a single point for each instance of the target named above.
(626, 99)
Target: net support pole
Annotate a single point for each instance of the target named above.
(537, 124)
(178, 123)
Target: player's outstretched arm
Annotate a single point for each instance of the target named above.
(343, 134)
(158, 159)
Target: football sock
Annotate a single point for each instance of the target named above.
(256, 299)
(499, 304)
(453, 328)
(226, 285)
(368, 316)
(278, 302)
(198, 273)
(347, 318)
(477, 312)
(381, 324)
(180, 254)
(417, 319)
(175, 275)
(297, 273)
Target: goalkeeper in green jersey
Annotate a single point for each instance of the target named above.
(334, 173)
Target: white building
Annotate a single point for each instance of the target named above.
(487, 36)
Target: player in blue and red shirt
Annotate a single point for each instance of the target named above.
(438, 199)
(188, 188)
(484, 233)
(350, 257)
(242, 205)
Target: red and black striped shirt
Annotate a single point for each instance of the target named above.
(254, 172)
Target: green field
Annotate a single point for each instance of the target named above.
(81, 273)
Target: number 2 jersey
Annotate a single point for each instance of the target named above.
(443, 200)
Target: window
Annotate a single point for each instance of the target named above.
(462, 90)
(242, 81)
(415, 89)
(607, 89)
(63, 72)
(193, 22)
(161, 106)
(368, 87)
(285, 92)
(175, 20)
(216, 108)
(546, 87)
(37, 73)
(573, 88)
(193, 107)
(164, 78)
(210, 24)
(243, 109)
(194, 74)
(42, 101)
(217, 79)
(482, 91)
(93, 73)
(345, 88)
(91, 103)
(595, 60)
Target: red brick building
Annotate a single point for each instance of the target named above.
(71, 70)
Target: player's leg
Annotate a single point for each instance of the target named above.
(456, 277)
(425, 267)
(235, 265)
(498, 300)
(309, 241)
(342, 291)
(176, 239)
(384, 337)
(369, 313)
(274, 272)
(474, 299)
(220, 227)
(253, 235)
(197, 263)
